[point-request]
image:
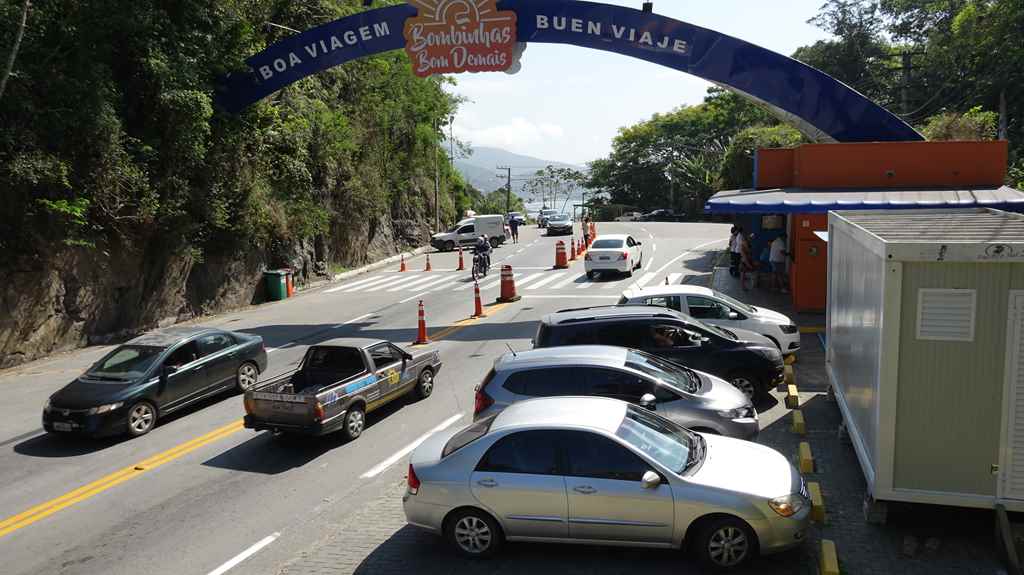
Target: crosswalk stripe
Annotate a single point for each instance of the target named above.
(673, 278)
(489, 284)
(434, 284)
(446, 285)
(356, 284)
(545, 281)
(390, 281)
(522, 282)
(374, 281)
(645, 280)
(585, 285)
(417, 284)
(572, 277)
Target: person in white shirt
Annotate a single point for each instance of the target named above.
(735, 242)
(777, 257)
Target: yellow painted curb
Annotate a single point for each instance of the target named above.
(806, 459)
(829, 564)
(790, 375)
(817, 502)
(790, 359)
(792, 397)
(799, 426)
(812, 329)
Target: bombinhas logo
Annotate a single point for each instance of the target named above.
(453, 36)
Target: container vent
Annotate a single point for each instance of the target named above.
(946, 314)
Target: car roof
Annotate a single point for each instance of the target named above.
(603, 355)
(359, 342)
(613, 312)
(169, 336)
(677, 289)
(613, 237)
(597, 413)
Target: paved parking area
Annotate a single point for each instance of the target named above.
(918, 540)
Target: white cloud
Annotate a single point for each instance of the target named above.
(516, 135)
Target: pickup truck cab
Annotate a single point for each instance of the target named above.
(337, 383)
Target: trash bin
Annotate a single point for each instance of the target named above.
(277, 284)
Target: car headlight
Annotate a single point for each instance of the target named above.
(789, 329)
(787, 505)
(104, 408)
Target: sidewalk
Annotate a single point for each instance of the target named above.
(766, 298)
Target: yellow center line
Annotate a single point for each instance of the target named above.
(30, 516)
(464, 323)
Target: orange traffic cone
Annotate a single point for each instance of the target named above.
(560, 261)
(428, 268)
(402, 269)
(462, 264)
(508, 286)
(421, 336)
(478, 305)
(572, 250)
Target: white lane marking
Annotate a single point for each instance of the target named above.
(361, 282)
(384, 465)
(644, 280)
(654, 249)
(410, 298)
(234, 561)
(566, 281)
(643, 228)
(419, 284)
(487, 282)
(521, 251)
(673, 278)
(332, 290)
(688, 252)
(545, 281)
(527, 279)
(650, 264)
(353, 320)
(445, 285)
(652, 235)
(585, 285)
(380, 282)
(534, 296)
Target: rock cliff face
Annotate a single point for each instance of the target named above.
(79, 297)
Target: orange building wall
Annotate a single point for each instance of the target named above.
(901, 165)
(775, 168)
(808, 273)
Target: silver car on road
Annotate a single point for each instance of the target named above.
(602, 471)
(695, 400)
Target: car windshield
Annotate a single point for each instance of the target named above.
(467, 436)
(734, 302)
(719, 331)
(559, 218)
(663, 441)
(607, 245)
(125, 363)
(674, 375)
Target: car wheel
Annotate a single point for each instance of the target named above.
(495, 243)
(449, 246)
(141, 418)
(745, 383)
(725, 544)
(246, 377)
(425, 384)
(355, 422)
(473, 533)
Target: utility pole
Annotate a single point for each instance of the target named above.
(508, 189)
(908, 64)
(1002, 114)
(437, 186)
(451, 140)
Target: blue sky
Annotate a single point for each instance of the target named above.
(568, 103)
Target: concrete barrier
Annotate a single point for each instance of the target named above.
(817, 502)
(798, 426)
(805, 458)
(828, 561)
(792, 397)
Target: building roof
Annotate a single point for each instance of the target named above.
(977, 226)
(808, 201)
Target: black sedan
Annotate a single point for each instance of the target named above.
(560, 225)
(154, 375)
(664, 216)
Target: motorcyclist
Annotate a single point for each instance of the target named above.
(483, 248)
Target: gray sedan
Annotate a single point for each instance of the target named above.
(690, 398)
(601, 471)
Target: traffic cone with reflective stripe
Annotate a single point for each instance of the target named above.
(572, 250)
(421, 336)
(462, 264)
(402, 269)
(428, 268)
(479, 305)
(508, 286)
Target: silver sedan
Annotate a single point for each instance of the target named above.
(601, 471)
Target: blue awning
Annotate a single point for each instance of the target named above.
(811, 201)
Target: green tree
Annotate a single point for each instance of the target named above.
(974, 124)
(738, 165)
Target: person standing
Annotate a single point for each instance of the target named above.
(513, 226)
(747, 263)
(735, 240)
(586, 231)
(777, 259)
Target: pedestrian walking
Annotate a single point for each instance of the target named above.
(735, 240)
(777, 259)
(586, 230)
(513, 225)
(747, 263)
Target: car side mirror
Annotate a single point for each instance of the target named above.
(406, 356)
(168, 370)
(648, 401)
(696, 338)
(650, 480)
(734, 315)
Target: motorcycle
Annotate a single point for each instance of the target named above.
(480, 266)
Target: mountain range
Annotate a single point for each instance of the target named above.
(480, 169)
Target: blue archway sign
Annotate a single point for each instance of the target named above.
(822, 107)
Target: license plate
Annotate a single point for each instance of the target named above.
(281, 407)
(61, 426)
(604, 258)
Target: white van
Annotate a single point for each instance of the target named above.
(468, 230)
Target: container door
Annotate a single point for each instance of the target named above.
(1011, 485)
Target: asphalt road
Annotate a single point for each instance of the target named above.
(205, 499)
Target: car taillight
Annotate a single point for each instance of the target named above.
(318, 411)
(624, 256)
(413, 481)
(249, 408)
(483, 401)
